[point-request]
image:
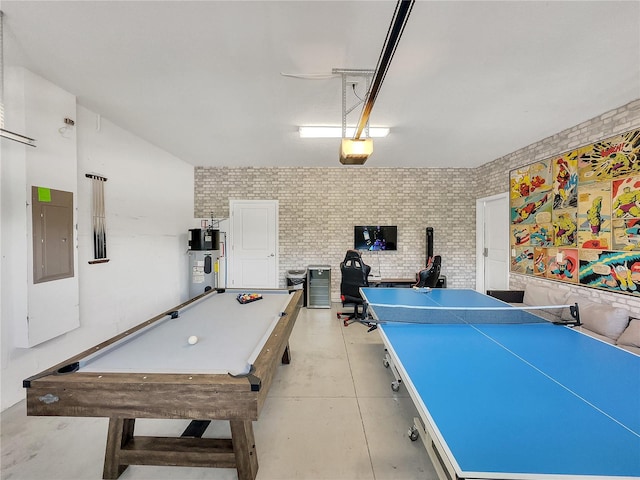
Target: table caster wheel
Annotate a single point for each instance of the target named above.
(385, 362)
(395, 386)
(413, 434)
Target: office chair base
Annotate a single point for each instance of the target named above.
(349, 318)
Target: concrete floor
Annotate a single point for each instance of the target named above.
(330, 414)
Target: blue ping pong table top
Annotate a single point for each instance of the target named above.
(519, 401)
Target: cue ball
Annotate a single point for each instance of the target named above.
(192, 340)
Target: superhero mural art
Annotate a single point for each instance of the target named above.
(522, 261)
(626, 234)
(612, 158)
(562, 264)
(594, 216)
(617, 271)
(530, 180)
(575, 217)
(565, 181)
(532, 209)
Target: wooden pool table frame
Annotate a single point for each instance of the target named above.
(123, 397)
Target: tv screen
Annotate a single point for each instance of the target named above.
(367, 237)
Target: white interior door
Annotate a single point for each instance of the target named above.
(253, 244)
(492, 239)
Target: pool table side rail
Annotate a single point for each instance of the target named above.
(140, 395)
(276, 348)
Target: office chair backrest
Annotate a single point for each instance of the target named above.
(429, 276)
(355, 274)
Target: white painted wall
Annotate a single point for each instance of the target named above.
(149, 205)
(53, 164)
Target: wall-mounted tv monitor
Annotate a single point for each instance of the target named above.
(367, 237)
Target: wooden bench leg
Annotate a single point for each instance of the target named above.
(244, 447)
(120, 432)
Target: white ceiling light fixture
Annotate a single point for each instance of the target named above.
(328, 131)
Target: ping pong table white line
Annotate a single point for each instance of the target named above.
(555, 381)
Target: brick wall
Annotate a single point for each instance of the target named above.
(318, 207)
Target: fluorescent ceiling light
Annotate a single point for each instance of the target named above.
(336, 132)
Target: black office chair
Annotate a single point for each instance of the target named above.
(428, 277)
(354, 275)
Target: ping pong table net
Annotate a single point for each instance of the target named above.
(557, 314)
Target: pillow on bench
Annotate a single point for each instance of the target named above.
(602, 319)
(631, 336)
(537, 295)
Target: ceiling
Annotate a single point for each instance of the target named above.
(470, 81)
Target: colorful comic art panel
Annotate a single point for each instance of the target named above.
(626, 234)
(616, 271)
(522, 262)
(562, 264)
(541, 235)
(533, 209)
(565, 228)
(594, 216)
(540, 261)
(626, 197)
(520, 235)
(534, 178)
(565, 181)
(611, 158)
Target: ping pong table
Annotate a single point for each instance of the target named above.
(511, 401)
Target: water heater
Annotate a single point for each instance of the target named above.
(204, 252)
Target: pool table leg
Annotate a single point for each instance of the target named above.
(244, 447)
(286, 355)
(120, 432)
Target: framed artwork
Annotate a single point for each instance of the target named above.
(575, 217)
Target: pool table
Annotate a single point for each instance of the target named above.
(152, 371)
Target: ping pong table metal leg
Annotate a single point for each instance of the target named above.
(440, 461)
(387, 361)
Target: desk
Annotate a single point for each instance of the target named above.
(529, 401)
(151, 371)
(402, 282)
